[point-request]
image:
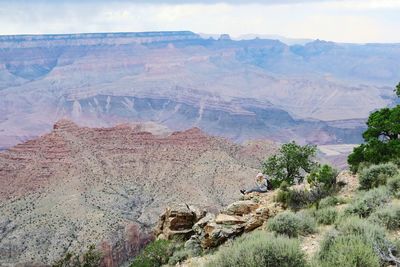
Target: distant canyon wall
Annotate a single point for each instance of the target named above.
(249, 89)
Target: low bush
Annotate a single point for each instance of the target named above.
(388, 217)
(297, 199)
(393, 185)
(356, 242)
(331, 201)
(292, 224)
(376, 175)
(156, 254)
(178, 257)
(326, 215)
(260, 249)
(347, 251)
(368, 202)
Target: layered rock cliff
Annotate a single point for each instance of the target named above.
(237, 89)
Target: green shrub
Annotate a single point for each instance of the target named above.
(388, 217)
(297, 199)
(260, 249)
(376, 175)
(368, 202)
(393, 185)
(325, 215)
(372, 234)
(293, 198)
(155, 254)
(331, 201)
(357, 242)
(347, 251)
(325, 175)
(292, 224)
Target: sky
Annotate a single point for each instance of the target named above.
(356, 21)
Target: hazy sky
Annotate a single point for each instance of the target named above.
(336, 20)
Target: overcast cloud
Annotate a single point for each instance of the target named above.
(344, 21)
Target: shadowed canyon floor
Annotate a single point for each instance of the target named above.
(107, 186)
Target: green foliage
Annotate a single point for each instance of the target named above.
(155, 254)
(331, 201)
(91, 258)
(397, 90)
(292, 224)
(356, 242)
(369, 202)
(382, 143)
(376, 175)
(260, 249)
(290, 163)
(325, 215)
(393, 185)
(325, 175)
(388, 216)
(372, 234)
(348, 251)
(294, 199)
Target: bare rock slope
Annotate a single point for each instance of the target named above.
(106, 186)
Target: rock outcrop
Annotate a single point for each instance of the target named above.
(177, 222)
(212, 230)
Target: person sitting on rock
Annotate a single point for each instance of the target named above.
(261, 185)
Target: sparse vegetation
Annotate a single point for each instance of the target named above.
(260, 249)
(292, 224)
(91, 258)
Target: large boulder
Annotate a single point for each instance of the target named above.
(177, 222)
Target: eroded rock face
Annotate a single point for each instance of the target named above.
(79, 186)
(177, 222)
(213, 230)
